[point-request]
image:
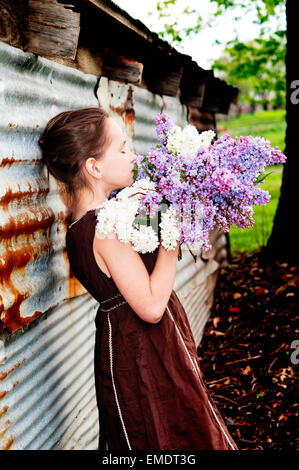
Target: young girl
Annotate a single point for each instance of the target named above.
(149, 388)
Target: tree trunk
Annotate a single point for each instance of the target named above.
(283, 242)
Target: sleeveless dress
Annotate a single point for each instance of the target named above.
(149, 388)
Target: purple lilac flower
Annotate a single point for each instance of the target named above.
(163, 126)
(220, 177)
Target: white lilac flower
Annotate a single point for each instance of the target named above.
(125, 215)
(118, 214)
(206, 138)
(144, 239)
(174, 139)
(187, 141)
(106, 223)
(169, 229)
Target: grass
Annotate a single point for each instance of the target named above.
(268, 124)
(271, 125)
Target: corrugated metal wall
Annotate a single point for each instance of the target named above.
(34, 271)
(47, 397)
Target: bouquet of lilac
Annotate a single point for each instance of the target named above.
(204, 185)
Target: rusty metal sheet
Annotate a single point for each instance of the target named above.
(34, 270)
(47, 397)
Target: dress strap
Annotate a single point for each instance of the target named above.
(69, 226)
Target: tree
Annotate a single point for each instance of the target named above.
(282, 244)
(283, 241)
(257, 68)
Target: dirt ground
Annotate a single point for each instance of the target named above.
(248, 357)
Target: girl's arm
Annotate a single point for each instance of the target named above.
(148, 295)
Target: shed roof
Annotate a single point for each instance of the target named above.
(100, 38)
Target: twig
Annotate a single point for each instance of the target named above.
(214, 381)
(272, 364)
(244, 359)
(281, 346)
(228, 399)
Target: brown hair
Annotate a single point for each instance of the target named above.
(68, 140)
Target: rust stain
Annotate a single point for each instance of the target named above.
(24, 224)
(15, 384)
(15, 367)
(12, 318)
(164, 105)
(126, 111)
(127, 59)
(3, 411)
(19, 258)
(3, 375)
(11, 160)
(6, 442)
(75, 287)
(2, 394)
(3, 360)
(19, 196)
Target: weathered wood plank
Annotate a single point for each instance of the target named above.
(122, 69)
(162, 75)
(218, 96)
(13, 22)
(192, 85)
(202, 120)
(53, 30)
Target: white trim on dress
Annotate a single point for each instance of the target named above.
(198, 374)
(112, 378)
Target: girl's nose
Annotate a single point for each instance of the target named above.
(134, 157)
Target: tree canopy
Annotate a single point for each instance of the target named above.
(256, 67)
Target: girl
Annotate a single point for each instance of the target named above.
(149, 388)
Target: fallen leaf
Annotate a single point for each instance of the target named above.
(237, 295)
(246, 371)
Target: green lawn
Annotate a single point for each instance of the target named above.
(271, 125)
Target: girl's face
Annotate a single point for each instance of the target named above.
(117, 163)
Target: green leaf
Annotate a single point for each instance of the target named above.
(135, 172)
(146, 170)
(262, 176)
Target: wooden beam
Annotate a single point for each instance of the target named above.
(53, 30)
(122, 69)
(162, 73)
(218, 96)
(202, 120)
(192, 85)
(13, 24)
(104, 7)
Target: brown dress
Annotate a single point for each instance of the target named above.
(149, 388)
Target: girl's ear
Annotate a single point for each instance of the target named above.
(93, 168)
